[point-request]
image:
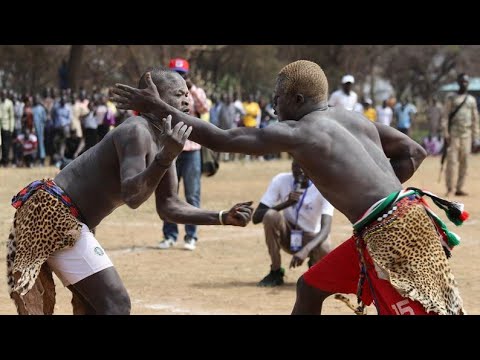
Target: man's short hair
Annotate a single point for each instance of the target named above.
(304, 77)
(159, 77)
(463, 77)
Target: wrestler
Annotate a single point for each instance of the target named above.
(359, 167)
(51, 226)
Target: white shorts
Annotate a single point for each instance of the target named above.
(85, 258)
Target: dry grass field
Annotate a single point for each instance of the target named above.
(220, 276)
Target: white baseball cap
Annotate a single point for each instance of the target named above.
(348, 79)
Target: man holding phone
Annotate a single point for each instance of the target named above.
(301, 230)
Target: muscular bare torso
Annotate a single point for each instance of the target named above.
(93, 179)
(342, 154)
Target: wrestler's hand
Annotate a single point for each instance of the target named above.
(141, 100)
(172, 140)
(239, 215)
(299, 257)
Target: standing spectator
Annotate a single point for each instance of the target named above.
(79, 110)
(226, 118)
(111, 117)
(368, 110)
(240, 113)
(434, 116)
(103, 120)
(385, 114)
(90, 124)
(459, 128)
(7, 124)
(62, 120)
(302, 229)
(39, 122)
(345, 97)
(49, 104)
(188, 163)
(18, 106)
(226, 113)
(252, 116)
(252, 111)
(405, 114)
(214, 109)
(27, 120)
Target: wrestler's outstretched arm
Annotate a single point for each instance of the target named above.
(405, 154)
(132, 142)
(171, 208)
(279, 137)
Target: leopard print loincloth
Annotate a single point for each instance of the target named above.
(41, 226)
(406, 250)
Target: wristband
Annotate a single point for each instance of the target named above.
(220, 217)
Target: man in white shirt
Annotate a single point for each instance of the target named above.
(301, 230)
(345, 97)
(384, 113)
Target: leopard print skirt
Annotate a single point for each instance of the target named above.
(406, 250)
(41, 226)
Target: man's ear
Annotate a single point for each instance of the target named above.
(300, 99)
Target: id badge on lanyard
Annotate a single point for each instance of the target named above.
(296, 237)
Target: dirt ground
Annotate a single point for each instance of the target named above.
(220, 276)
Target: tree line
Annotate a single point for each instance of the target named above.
(416, 70)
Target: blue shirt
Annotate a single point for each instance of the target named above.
(39, 115)
(403, 113)
(62, 117)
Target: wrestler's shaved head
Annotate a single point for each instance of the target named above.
(304, 77)
(171, 87)
(160, 77)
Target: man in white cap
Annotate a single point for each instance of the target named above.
(345, 97)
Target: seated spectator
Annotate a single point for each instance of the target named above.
(432, 144)
(28, 147)
(73, 147)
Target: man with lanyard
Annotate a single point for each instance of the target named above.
(301, 230)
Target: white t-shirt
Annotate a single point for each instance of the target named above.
(384, 115)
(313, 207)
(339, 98)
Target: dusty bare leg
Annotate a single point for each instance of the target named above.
(309, 299)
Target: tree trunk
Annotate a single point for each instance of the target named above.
(74, 65)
